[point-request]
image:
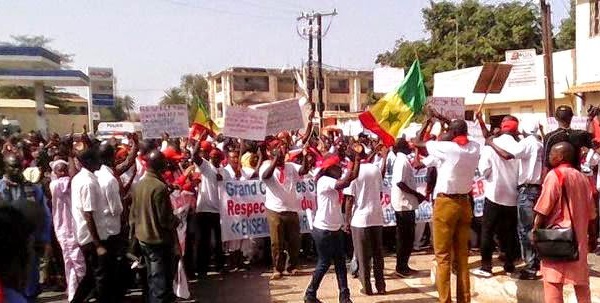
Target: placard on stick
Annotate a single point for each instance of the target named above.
(170, 119)
(284, 115)
(491, 79)
(449, 107)
(245, 123)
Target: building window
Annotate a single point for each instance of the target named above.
(219, 110)
(219, 85)
(285, 84)
(251, 83)
(83, 110)
(594, 18)
(339, 86)
(339, 107)
(366, 85)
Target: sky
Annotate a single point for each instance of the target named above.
(152, 43)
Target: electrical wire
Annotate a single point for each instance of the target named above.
(262, 5)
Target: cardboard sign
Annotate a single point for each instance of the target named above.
(284, 115)
(387, 79)
(170, 119)
(245, 123)
(450, 107)
(492, 78)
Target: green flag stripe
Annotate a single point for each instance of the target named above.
(412, 89)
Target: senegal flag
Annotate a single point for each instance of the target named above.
(393, 112)
(202, 122)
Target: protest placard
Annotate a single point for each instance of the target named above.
(170, 119)
(243, 212)
(284, 115)
(245, 123)
(450, 107)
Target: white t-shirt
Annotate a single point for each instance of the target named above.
(281, 196)
(403, 172)
(229, 173)
(531, 156)
(455, 165)
(208, 198)
(329, 207)
(366, 190)
(110, 189)
(500, 177)
(86, 196)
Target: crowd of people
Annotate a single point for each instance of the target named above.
(92, 215)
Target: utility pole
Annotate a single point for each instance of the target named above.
(547, 47)
(320, 105)
(310, 82)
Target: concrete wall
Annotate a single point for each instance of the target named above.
(588, 48)
(523, 110)
(26, 116)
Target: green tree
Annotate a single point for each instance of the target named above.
(121, 110)
(565, 38)
(174, 95)
(485, 31)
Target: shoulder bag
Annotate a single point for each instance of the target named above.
(557, 243)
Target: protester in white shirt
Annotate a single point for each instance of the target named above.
(208, 219)
(529, 153)
(456, 162)
(279, 178)
(405, 200)
(88, 205)
(366, 220)
(500, 209)
(235, 171)
(329, 227)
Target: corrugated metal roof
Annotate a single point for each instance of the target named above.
(21, 103)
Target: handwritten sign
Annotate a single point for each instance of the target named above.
(170, 119)
(450, 107)
(245, 123)
(283, 115)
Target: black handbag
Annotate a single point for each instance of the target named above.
(557, 243)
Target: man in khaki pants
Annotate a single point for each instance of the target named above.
(456, 163)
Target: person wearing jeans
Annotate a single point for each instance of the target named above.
(153, 224)
(329, 227)
(529, 154)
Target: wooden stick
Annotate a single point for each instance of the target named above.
(489, 88)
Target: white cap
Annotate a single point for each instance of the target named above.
(530, 126)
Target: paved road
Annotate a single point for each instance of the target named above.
(253, 286)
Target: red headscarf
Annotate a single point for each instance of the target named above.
(509, 126)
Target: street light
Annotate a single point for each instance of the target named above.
(455, 42)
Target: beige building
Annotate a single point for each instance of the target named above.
(523, 101)
(345, 91)
(24, 111)
(587, 76)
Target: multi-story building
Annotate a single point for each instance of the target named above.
(587, 75)
(344, 91)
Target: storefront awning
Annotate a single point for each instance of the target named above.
(584, 88)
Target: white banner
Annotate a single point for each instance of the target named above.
(170, 119)
(578, 122)
(245, 123)
(387, 79)
(243, 208)
(243, 212)
(450, 107)
(284, 115)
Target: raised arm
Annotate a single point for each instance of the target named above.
(345, 182)
(130, 160)
(486, 132)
